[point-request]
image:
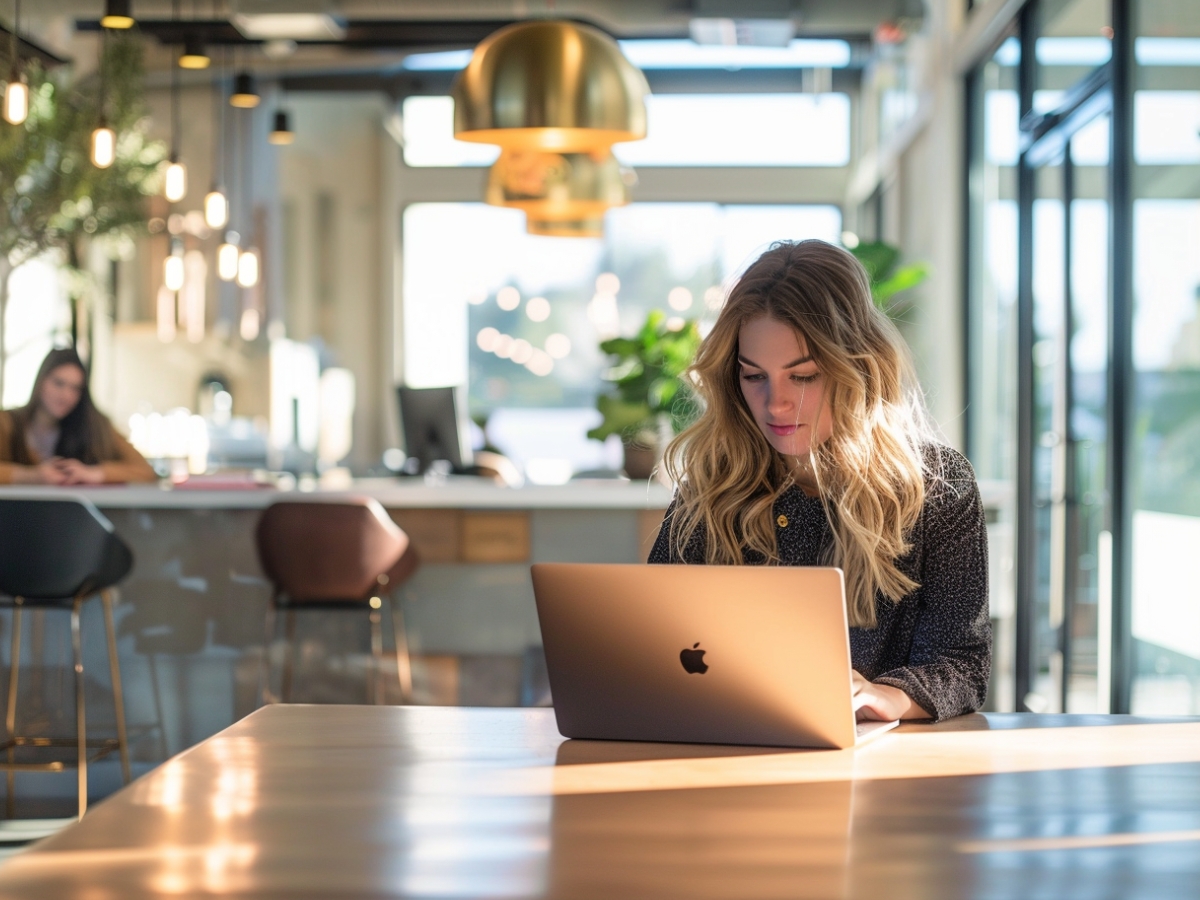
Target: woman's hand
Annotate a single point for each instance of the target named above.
(882, 702)
(46, 472)
(75, 472)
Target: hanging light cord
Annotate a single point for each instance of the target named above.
(14, 41)
(175, 96)
(103, 66)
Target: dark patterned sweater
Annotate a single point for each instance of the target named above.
(936, 643)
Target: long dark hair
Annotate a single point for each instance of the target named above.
(83, 432)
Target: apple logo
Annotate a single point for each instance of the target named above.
(693, 660)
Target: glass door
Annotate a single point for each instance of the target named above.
(1067, 358)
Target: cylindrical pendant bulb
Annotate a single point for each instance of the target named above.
(16, 100)
(173, 272)
(175, 183)
(216, 208)
(247, 270)
(104, 147)
(227, 258)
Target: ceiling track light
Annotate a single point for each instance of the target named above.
(244, 95)
(194, 56)
(281, 133)
(117, 14)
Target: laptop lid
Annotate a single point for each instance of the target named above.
(706, 654)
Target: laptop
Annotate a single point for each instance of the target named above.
(699, 654)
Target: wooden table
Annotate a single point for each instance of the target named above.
(307, 801)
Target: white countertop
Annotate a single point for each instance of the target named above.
(456, 493)
(393, 493)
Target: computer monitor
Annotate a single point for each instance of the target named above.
(435, 426)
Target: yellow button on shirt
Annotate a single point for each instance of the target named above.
(781, 521)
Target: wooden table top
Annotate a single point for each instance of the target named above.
(344, 801)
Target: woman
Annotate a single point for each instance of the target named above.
(813, 448)
(59, 437)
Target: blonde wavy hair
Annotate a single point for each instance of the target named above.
(870, 473)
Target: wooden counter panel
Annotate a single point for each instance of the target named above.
(495, 537)
(436, 533)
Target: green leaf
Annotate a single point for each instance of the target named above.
(907, 277)
(621, 418)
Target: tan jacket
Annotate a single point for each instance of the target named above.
(128, 466)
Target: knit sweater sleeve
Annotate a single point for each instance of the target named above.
(949, 663)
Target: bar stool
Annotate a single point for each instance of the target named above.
(338, 554)
(57, 554)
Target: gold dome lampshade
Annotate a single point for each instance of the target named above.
(553, 86)
(589, 228)
(558, 186)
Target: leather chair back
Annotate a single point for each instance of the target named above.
(59, 548)
(331, 551)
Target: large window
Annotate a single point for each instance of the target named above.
(1166, 359)
(518, 317)
(682, 130)
(1094, 427)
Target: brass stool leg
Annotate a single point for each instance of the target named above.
(268, 640)
(289, 627)
(80, 719)
(118, 691)
(376, 676)
(403, 662)
(163, 749)
(10, 714)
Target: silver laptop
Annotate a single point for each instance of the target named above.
(704, 654)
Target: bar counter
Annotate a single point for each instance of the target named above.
(190, 615)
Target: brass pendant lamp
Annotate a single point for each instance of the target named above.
(586, 228)
(558, 186)
(547, 85)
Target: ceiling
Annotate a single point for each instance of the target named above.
(377, 34)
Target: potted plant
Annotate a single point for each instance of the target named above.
(888, 277)
(649, 393)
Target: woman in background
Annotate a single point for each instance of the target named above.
(59, 437)
(813, 448)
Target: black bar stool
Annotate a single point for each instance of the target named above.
(57, 554)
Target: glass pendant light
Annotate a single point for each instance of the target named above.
(281, 133)
(173, 267)
(216, 208)
(16, 91)
(16, 98)
(549, 85)
(104, 139)
(216, 203)
(227, 256)
(117, 14)
(247, 268)
(175, 182)
(104, 146)
(245, 95)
